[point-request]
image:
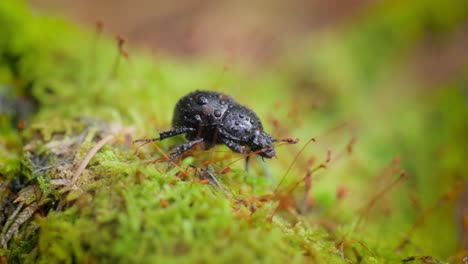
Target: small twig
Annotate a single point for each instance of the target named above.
(49, 167)
(7, 225)
(88, 158)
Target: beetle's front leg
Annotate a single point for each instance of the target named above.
(183, 148)
(236, 147)
(167, 134)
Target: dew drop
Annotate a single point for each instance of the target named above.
(202, 100)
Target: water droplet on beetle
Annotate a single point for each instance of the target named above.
(202, 100)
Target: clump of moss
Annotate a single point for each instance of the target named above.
(77, 190)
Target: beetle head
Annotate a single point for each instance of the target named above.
(264, 142)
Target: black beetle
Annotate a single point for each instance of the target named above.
(211, 118)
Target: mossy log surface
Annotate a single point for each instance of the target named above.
(382, 180)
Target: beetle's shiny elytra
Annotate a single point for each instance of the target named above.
(211, 118)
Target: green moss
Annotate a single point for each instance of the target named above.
(126, 207)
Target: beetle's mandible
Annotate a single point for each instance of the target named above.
(209, 118)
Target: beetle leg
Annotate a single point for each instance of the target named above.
(166, 134)
(176, 131)
(183, 148)
(236, 147)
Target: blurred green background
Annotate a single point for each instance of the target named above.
(389, 76)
